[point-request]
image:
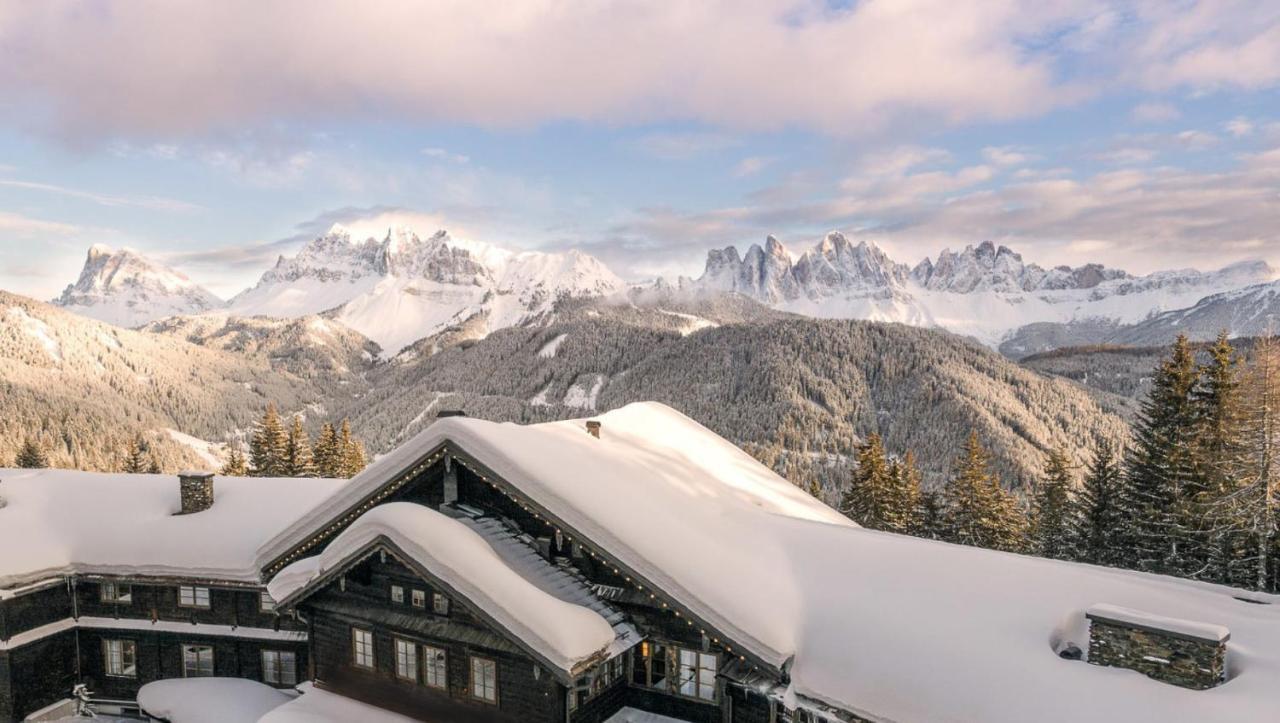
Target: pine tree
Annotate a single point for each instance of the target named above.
(904, 496)
(153, 467)
(135, 460)
(236, 465)
(930, 516)
(1217, 408)
(868, 499)
(1161, 467)
(31, 456)
(326, 455)
(297, 451)
(976, 509)
(352, 452)
(1053, 510)
(268, 446)
(1099, 538)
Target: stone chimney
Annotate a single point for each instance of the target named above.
(450, 413)
(196, 489)
(593, 428)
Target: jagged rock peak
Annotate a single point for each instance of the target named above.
(126, 288)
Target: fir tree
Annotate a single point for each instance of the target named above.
(1053, 510)
(236, 465)
(930, 516)
(135, 459)
(869, 497)
(352, 452)
(326, 455)
(1161, 467)
(154, 466)
(1217, 407)
(1099, 538)
(268, 447)
(904, 496)
(976, 509)
(297, 451)
(31, 456)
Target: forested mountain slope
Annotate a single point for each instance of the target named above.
(85, 389)
(799, 393)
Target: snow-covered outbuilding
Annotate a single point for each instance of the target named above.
(556, 572)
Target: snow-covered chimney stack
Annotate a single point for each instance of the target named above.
(196, 488)
(593, 428)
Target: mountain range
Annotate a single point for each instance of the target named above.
(403, 287)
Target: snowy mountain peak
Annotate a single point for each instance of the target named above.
(128, 289)
(406, 286)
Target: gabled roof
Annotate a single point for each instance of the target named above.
(885, 626)
(57, 522)
(564, 635)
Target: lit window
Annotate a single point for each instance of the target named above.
(197, 661)
(436, 673)
(279, 667)
(419, 599)
(265, 603)
(484, 679)
(121, 657)
(362, 648)
(193, 597)
(115, 592)
(697, 674)
(397, 594)
(439, 604)
(406, 660)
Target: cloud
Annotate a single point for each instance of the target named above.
(751, 165)
(759, 64)
(154, 203)
(1238, 127)
(18, 225)
(444, 155)
(1154, 112)
(683, 146)
(1006, 156)
(1194, 140)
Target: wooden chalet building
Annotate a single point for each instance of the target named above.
(566, 572)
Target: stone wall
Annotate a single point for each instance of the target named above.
(1164, 656)
(197, 492)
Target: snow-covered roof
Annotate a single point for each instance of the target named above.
(563, 633)
(210, 700)
(59, 522)
(892, 627)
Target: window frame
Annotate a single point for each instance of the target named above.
(195, 597)
(439, 604)
(418, 599)
(121, 593)
(278, 668)
(430, 669)
(397, 594)
(356, 649)
(131, 646)
(406, 651)
(699, 671)
(266, 603)
(481, 661)
(186, 671)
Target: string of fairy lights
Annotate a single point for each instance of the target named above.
(525, 505)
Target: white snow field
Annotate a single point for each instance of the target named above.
(210, 700)
(59, 522)
(892, 627)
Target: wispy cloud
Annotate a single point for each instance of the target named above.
(684, 145)
(1155, 112)
(751, 165)
(1238, 127)
(17, 224)
(155, 203)
(445, 155)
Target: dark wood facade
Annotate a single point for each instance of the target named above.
(39, 669)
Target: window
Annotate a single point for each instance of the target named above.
(406, 660)
(121, 658)
(279, 667)
(197, 661)
(419, 598)
(658, 666)
(362, 648)
(265, 603)
(436, 673)
(193, 597)
(397, 594)
(115, 592)
(484, 679)
(439, 604)
(697, 674)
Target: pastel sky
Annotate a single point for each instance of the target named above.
(217, 135)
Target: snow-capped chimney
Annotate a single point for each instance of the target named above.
(593, 428)
(196, 489)
(450, 413)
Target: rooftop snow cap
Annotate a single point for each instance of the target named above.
(196, 490)
(450, 413)
(593, 428)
